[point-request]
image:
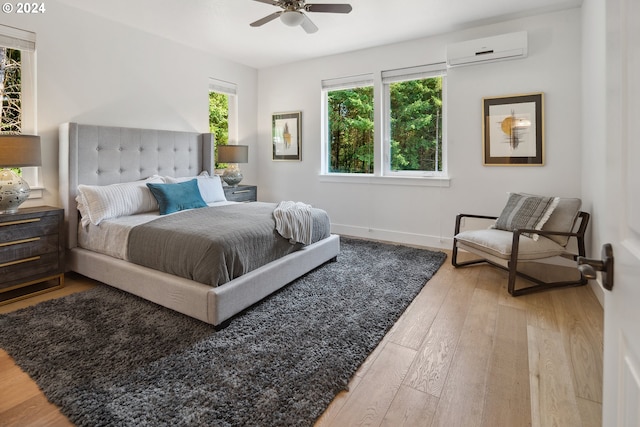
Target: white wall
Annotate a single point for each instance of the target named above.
(94, 71)
(425, 214)
(594, 124)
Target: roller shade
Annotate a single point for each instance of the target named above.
(221, 86)
(348, 82)
(414, 73)
(14, 38)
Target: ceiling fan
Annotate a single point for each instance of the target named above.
(292, 13)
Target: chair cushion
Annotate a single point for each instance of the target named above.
(563, 219)
(498, 243)
(524, 211)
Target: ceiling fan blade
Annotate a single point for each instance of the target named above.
(271, 2)
(332, 8)
(308, 26)
(266, 19)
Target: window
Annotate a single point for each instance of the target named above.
(223, 112)
(412, 129)
(18, 89)
(412, 123)
(11, 113)
(349, 125)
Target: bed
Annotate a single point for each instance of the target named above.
(103, 155)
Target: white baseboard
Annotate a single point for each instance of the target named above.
(393, 236)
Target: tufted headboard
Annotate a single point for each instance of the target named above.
(103, 155)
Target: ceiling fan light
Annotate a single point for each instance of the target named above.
(292, 18)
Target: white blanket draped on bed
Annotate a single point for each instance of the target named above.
(294, 221)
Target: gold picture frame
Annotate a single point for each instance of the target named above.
(286, 140)
(513, 130)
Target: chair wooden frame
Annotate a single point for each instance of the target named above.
(512, 263)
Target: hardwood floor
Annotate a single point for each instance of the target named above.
(464, 353)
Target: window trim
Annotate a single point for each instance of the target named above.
(382, 171)
(341, 83)
(418, 181)
(25, 41)
(403, 75)
(231, 90)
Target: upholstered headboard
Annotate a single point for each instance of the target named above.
(102, 155)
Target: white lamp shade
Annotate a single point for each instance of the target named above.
(292, 18)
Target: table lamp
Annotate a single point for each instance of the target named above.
(16, 151)
(233, 154)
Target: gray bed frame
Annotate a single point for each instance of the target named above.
(102, 155)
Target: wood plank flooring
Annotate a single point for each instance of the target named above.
(464, 353)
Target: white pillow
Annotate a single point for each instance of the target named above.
(99, 202)
(210, 186)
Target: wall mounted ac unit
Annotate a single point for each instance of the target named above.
(489, 49)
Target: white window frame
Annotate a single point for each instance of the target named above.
(25, 41)
(403, 75)
(330, 85)
(382, 171)
(231, 90)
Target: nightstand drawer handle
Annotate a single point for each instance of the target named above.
(20, 261)
(18, 242)
(242, 191)
(23, 221)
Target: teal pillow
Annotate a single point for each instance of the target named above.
(177, 197)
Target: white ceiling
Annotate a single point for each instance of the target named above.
(222, 26)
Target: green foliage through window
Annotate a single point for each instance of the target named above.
(219, 119)
(416, 125)
(412, 126)
(219, 116)
(351, 147)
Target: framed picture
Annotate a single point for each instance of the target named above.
(285, 135)
(513, 130)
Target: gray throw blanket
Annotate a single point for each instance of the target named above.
(214, 245)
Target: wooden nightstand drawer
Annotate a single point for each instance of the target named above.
(25, 228)
(31, 252)
(28, 247)
(241, 193)
(20, 270)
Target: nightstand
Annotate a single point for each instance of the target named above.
(241, 193)
(31, 252)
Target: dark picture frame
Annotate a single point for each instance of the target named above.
(513, 130)
(286, 136)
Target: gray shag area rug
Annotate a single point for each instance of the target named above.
(108, 358)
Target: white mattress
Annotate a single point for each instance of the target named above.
(111, 237)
